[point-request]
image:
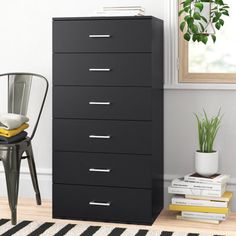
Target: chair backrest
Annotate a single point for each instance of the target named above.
(19, 87)
(19, 92)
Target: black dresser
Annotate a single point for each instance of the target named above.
(108, 118)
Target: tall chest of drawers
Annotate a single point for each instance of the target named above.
(108, 118)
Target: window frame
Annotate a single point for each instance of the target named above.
(184, 76)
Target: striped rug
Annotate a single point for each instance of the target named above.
(33, 228)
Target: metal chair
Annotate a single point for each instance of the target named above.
(19, 93)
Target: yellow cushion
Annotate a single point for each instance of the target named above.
(13, 132)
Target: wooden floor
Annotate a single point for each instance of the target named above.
(28, 210)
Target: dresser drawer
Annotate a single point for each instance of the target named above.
(105, 69)
(101, 203)
(102, 35)
(118, 170)
(102, 136)
(102, 103)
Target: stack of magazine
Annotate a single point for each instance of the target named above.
(121, 11)
(202, 199)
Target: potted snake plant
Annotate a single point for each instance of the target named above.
(206, 157)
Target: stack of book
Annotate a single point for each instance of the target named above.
(121, 11)
(202, 199)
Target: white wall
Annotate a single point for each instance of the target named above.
(26, 45)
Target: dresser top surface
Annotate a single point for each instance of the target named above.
(105, 18)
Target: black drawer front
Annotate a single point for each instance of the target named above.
(114, 69)
(102, 136)
(120, 36)
(101, 203)
(102, 103)
(118, 170)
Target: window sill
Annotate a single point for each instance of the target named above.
(189, 86)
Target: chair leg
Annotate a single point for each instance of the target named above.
(11, 162)
(33, 173)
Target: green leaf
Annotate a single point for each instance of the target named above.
(218, 25)
(194, 29)
(199, 6)
(215, 19)
(200, 139)
(186, 9)
(195, 37)
(218, 14)
(202, 27)
(181, 12)
(204, 19)
(204, 39)
(198, 37)
(205, 114)
(221, 22)
(220, 2)
(213, 38)
(226, 13)
(196, 16)
(186, 18)
(182, 25)
(187, 36)
(187, 2)
(190, 21)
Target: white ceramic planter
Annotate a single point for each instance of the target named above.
(206, 164)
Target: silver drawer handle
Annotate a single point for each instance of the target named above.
(99, 170)
(99, 36)
(99, 69)
(100, 136)
(93, 203)
(99, 103)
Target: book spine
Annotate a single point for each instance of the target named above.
(220, 180)
(178, 217)
(226, 197)
(196, 192)
(202, 215)
(183, 184)
(191, 202)
(216, 210)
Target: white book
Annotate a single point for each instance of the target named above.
(112, 8)
(178, 217)
(118, 13)
(203, 215)
(217, 178)
(181, 183)
(124, 10)
(179, 200)
(196, 192)
(226, 197)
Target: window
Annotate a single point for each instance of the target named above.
(211, 63)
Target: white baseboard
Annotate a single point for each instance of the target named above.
(45, 184)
